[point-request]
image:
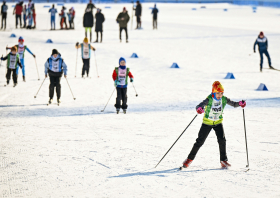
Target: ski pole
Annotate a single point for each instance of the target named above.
(76, 63)
(37, 68)
(40, 87)
(132, 14)
(70, 89)
(108, 100)
(245, 138)
(96, 64)
(134, 89)
(176, 140)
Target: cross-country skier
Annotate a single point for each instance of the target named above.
(123, 19)
(155, 14)
(21, 50)
(12, 64)
(4, 9)
(120, 77)
(138, 13)
(53, 11)
(214, 106)
(86, 54)
(55, 66)
(99, 24)
(262, 42)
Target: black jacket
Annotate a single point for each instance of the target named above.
(99, 19)
(4, 9)
(138, 10)
(88, 19)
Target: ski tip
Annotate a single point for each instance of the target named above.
(181, 168)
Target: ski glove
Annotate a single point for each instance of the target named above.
(2, 58)
(131, 80)
(34, 56)
(242, 104)
(200, 110)
(117, 82)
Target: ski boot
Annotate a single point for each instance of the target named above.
(58, 102)
(118, 111)
(270, 67)
(124, 111)
(126, 41)
(50, 101)
(8, 82)
(96, 41)
(225, 164)
(187, 163)
(260, 69)
(23, 77)
(15, 84)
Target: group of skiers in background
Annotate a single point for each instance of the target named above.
(63, 21)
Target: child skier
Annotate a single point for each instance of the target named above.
(55, 66)
(214, 106)
(21, 50)
(12, 64)
(120, 76)
(86, 53)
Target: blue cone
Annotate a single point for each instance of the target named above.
(47, 6)
(262, 87)
(225, 10)
(134, 55)
(229, 76)
(13, 36)
(49, 41)
(175, 65)
(107, 7)
(193, 8)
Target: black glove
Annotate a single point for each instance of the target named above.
(254, 51)
(34, 56)
(20, 66)
(77, 44)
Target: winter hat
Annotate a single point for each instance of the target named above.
(124, 8)
(121, 59)
(54, 51)
(261, 34)
(217, 87)
(20, 39)
(85, 40)
(98, 9)
(14, 48)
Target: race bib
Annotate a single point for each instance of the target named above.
(13, 60)
(20, 52)
(55, 66)
(122, 76)
(216, 110)
(86, 52)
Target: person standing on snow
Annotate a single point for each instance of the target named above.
(214, 106)
(55, 67)
(88, 21)
(4, 9)
(138, 13)
(53, 11)
(21, 50)
(69, 14)
(123, 19)
(155, 13)
(18, 11)
(262, 43)
(99, 20)
(120, 77)
(72, 18)
(63, 18)
(12, 64)
(31, 8)
(86, 54)
(24, 12)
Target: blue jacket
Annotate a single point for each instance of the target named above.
(262, 43)
(60, 66)
(53, 11)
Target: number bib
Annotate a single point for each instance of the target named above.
(55, 66)
(20, 52)
(122, 76)
(86, 52)
(13, 60)
(216, 110)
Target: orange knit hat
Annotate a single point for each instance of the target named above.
(217, 87)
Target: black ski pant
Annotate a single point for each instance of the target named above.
(121, 95)
(4, 19)
(154, 23)
(202, 135)
(125, 29)
(86, 66)
(100, 35)
(8, 75)
(55, 82)
(261, 56)
(18, 17)
(138, 21)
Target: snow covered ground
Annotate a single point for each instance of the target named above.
(75, 150)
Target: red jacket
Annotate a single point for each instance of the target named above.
(115, 75)
(18, 9)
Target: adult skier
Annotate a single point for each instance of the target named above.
(55, 67)
(123, 19)
(12, 64)
(155, 14)
(88, 20)
(214, 106)
(53, 11)
(99, 20)
(21, 50)
(86, 54)
(262, 43)
(120, 77)
(4, 9)
(18, 11)
(138, 13)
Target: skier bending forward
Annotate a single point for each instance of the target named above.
(214, 106)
